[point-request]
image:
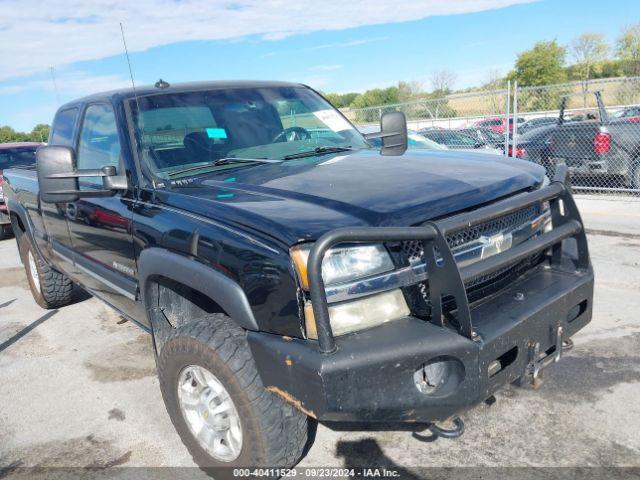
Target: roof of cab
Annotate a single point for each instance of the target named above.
(140, 91)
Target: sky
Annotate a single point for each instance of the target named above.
(332, 45)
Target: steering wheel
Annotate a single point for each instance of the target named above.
(292, 133)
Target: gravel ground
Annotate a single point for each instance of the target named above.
(78, 387)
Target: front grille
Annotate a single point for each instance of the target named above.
(490, 282)
(414, 251)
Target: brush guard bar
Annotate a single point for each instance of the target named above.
(445, 277)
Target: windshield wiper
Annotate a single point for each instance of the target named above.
(317, 151)
(221, 161)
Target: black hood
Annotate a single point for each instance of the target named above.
(302, 199)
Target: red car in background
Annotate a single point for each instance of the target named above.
(497, 124)
(19, 154)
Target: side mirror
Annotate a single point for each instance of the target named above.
(393, 132)
(58, 177)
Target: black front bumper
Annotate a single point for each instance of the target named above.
(370, 375)
(386, 373)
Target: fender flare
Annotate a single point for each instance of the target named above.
(15, 208)
(156, 261)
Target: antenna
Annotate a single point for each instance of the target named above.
(55, 85)
(126, 52)
(135, 93)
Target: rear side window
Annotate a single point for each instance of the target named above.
(17, 157)
(62, 130)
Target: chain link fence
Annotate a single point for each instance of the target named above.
(593, 126)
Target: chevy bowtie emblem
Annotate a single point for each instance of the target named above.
(495, 244)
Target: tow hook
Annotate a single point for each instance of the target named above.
(567, 345)
(441, 432)
(538, 361)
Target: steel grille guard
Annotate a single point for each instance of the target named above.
(445, 277)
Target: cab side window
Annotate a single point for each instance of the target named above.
(62, 130)
(99, 145)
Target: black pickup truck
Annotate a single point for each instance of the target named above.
(289, 272)
(603, 148)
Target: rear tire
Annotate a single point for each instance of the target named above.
(50, 288)
(273, 433)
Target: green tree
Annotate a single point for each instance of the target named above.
(628, 49)
(408, 91)
(377, 96)
(340, 100)
(587, 50)
(608, 69)
(8, 134)
(370, 98)
(40, 133)
(542, 65)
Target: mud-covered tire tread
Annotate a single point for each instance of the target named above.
(56, 289)
(280, 429)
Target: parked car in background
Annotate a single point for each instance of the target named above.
(602, 150)
(459, 141)
(497, 124)
(414, 139)
(537, 123)
(19, 154)
(533, 145)
(485, 135)
(630, 114)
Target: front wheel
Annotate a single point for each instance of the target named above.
(218, 404)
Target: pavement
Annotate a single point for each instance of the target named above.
(78, 386)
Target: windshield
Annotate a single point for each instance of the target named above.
(534, 133)
(451, 139)
(177, 131)
(13, 157)
(493, 136)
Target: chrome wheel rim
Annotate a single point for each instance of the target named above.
(33, 271)
(210, 413)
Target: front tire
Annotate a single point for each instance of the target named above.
(218, 404)
(50, 288)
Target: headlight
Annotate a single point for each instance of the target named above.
(342, 264)
(357, 315)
